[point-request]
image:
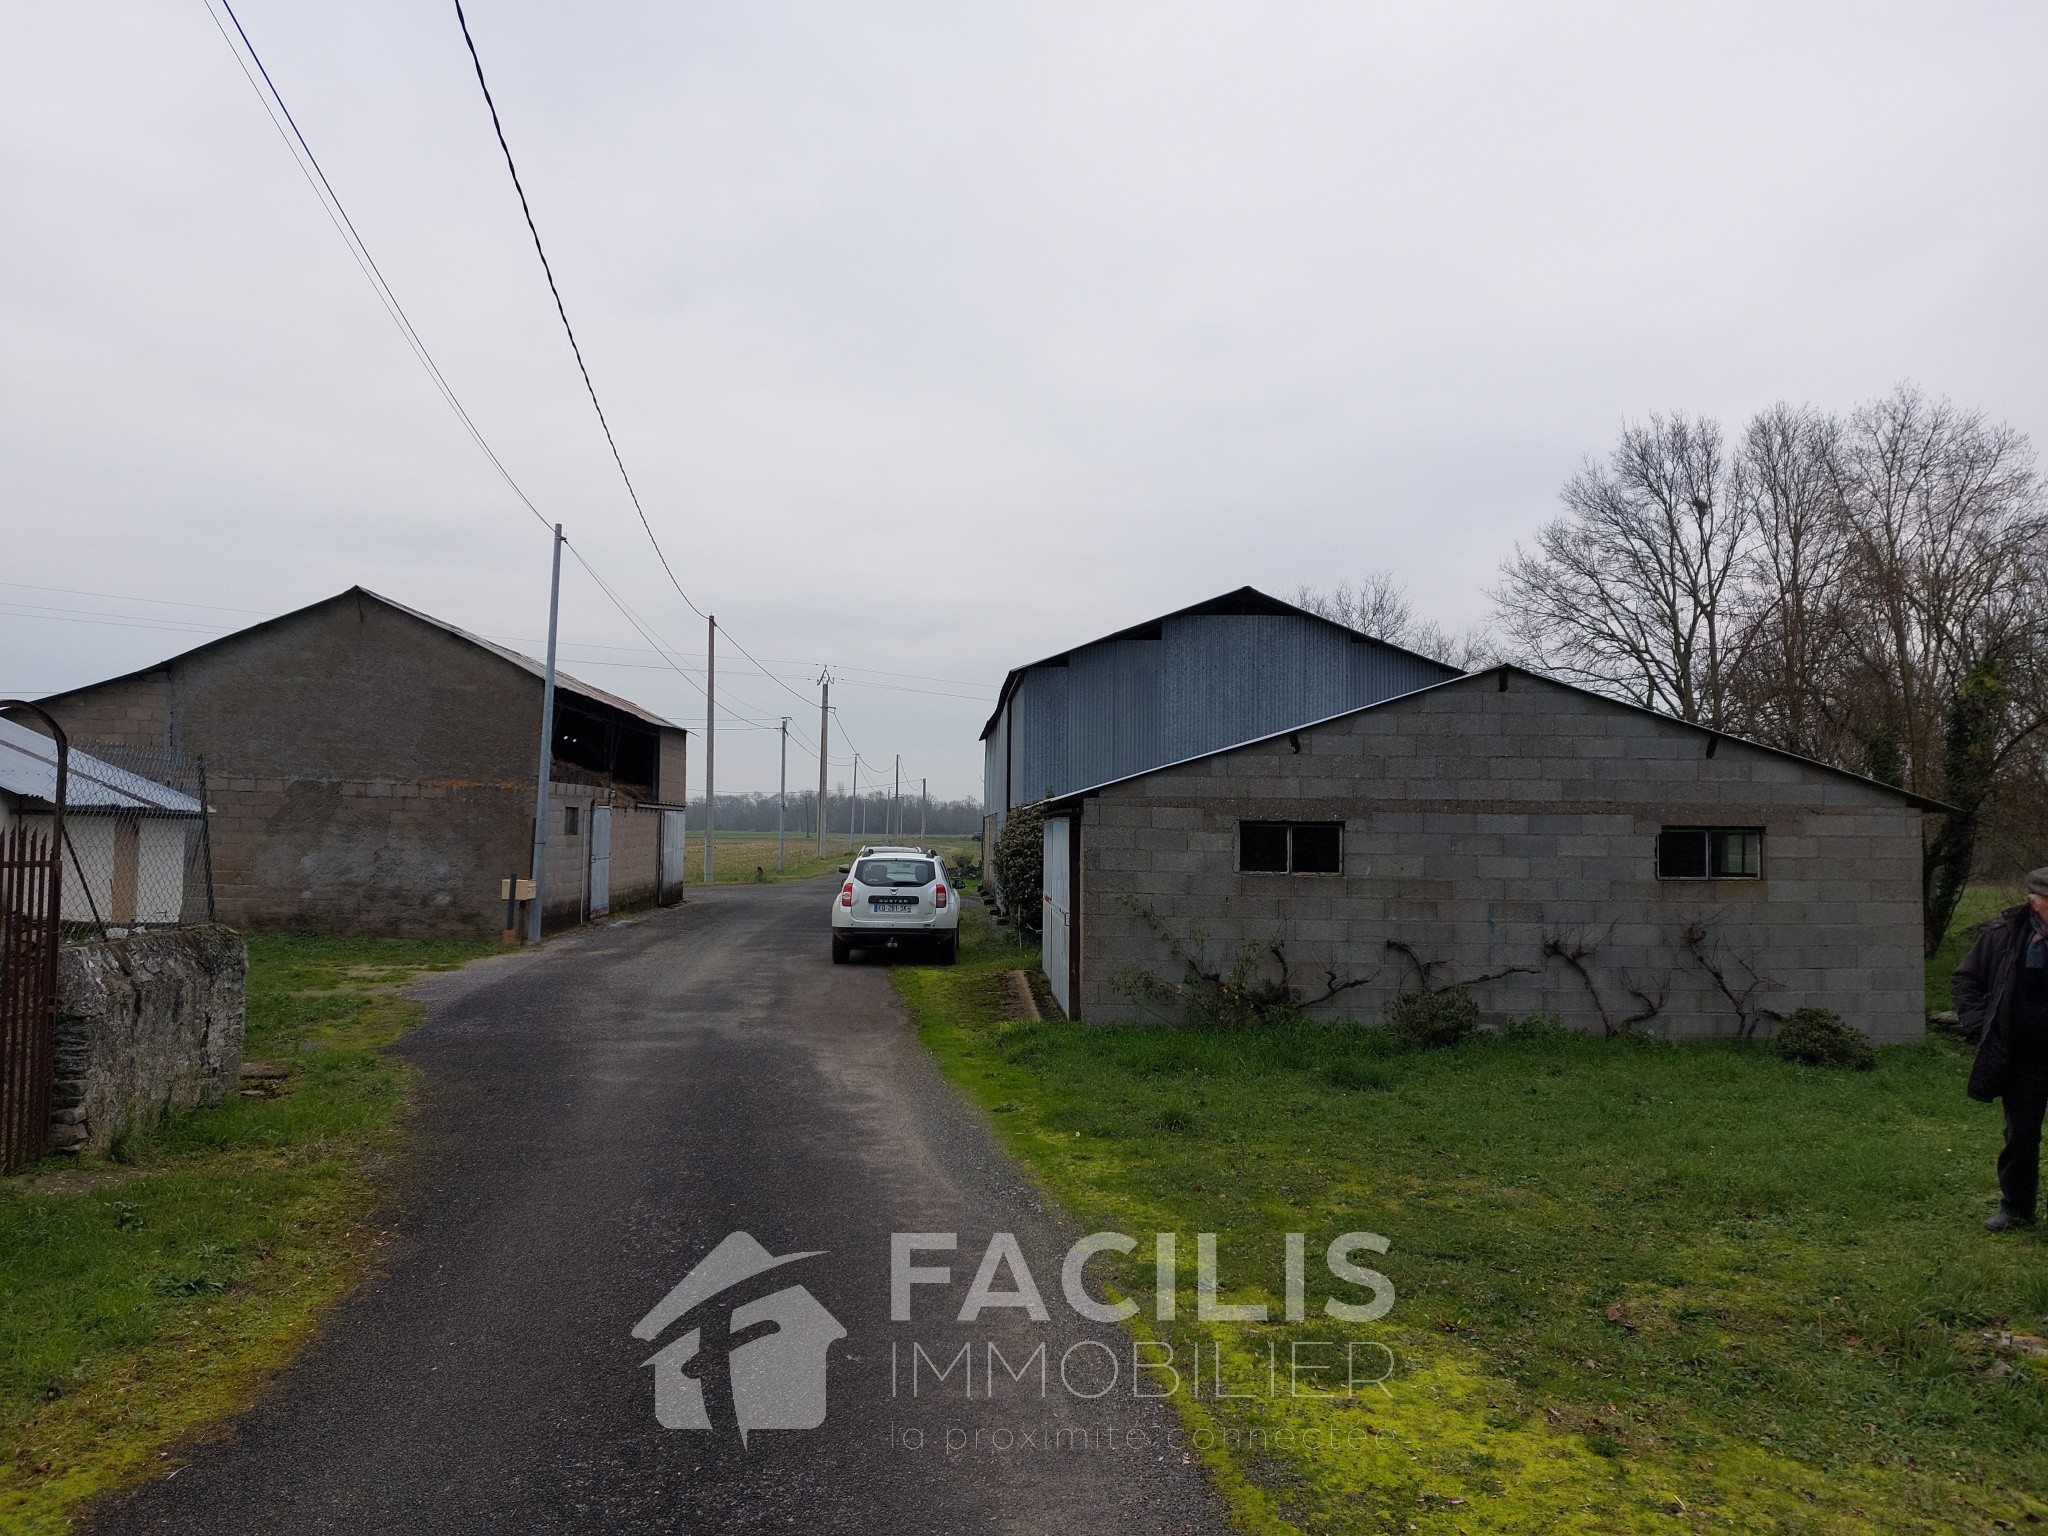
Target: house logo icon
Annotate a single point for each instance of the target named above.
(752, 1360)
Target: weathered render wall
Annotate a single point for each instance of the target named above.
(145, 1025)
(1489, 830)
(372, 856)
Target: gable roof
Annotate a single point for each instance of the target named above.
(564, 683)
(1245, 601)
(28, 768)
(1502, 671)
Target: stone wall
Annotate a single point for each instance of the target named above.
(145, 1025)
(1497, 833)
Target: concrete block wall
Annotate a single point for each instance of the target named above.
(130, 712)
(1483, 827)
(371, 856)
(370, 773)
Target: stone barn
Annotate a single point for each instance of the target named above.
(370, 769)
(1547, 848)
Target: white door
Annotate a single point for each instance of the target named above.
(673, 831)
(1058, 913)
(600, 859)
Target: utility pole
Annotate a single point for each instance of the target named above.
(824, 736)
(852, 800)
(896, 802)
(547, 756)
(782, 796)
(710, 740)
(924, 806)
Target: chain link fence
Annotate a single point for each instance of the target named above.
(138, 847)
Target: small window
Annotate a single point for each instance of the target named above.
(1710, 853)
(571, 814)
(1290, 847)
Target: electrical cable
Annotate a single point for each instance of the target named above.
(315, 175)
(561, 309)
(337, 213)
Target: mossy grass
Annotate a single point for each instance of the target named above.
(1641, 1286)
(144, 1300)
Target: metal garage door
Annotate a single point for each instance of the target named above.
(600, 859)
(1058, 914)
(673, 835)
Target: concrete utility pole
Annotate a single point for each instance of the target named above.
(710, 740)
(782, 796)
(896, 802)
(547, 756)
(852, 800)
(924, 806)
(824, 735)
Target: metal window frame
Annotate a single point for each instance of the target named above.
(1237, 859)
(1709, 832)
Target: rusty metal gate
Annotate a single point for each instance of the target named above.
(31, 894)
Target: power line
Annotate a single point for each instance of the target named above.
(569, 330)
(273, 103)
(337, 214)
(160, 602)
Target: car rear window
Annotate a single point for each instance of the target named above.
(893, 872)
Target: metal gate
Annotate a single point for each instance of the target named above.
(31, 894)
(674, 832)
(600, 859)
(1058, 915)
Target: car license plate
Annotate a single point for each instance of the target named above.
(892, 903)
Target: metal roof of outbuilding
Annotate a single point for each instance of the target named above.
(1243, 601)
(28, 768)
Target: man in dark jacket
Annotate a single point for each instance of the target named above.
(2001, 996)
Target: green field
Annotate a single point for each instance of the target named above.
(748, 857)
(1641, 1286)
(150, 1295)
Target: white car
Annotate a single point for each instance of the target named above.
(891, 898)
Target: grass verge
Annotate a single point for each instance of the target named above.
(1641, 1287)
(148, 1297)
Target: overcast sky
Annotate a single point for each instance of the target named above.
(938, 337)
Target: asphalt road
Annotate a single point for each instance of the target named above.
(596, 1117)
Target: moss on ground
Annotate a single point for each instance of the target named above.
(148, 1298)
(1642, 1286)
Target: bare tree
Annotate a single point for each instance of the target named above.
(1872, 592)
(1630, 590)
(1379, 606)
(1785, 484)
(1945, 593)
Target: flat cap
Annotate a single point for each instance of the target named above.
(2037, 882)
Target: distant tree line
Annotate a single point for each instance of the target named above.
(871, 815)
(1867, 589)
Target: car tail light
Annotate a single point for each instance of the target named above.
(939, 900)
(846, 894)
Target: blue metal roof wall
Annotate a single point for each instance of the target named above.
(994, 761)
(1119, 707)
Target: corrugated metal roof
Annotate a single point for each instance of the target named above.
(1242, 603)
(28, 768)
(1205, 677)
